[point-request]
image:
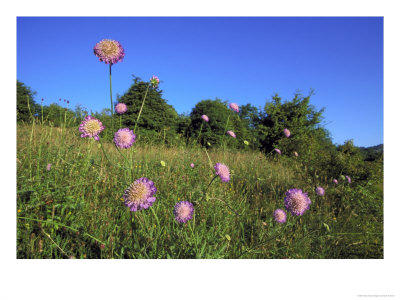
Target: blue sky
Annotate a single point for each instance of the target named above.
(239, 59)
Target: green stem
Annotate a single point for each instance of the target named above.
(201, 128)
(144, 99)
(112, 109)
(104, 152)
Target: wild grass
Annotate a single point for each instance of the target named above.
(75, 210)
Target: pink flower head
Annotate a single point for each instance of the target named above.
(320, 191)
(335, 181)
(109, 51)
(277, 151)
(121, 108)
(154, 81)
(297, 202)
(192, 165)
(91, 128)
(139, 195)
(286, 132)
(280, 216)
(348, 179)
(183, 211)
(48, 168)
(124, 138)
(231, 133)
(234, 107)
(222, 171)
(205, 118)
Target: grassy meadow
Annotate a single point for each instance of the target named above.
(74, 208)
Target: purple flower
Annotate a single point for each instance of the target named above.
(280, 216)
(297, 202)
(348, 179)
(335, 181)
(139, 195)
(109, 51)
(192, 165)
(124, 138)
(91, 127)
(154, 81)
(222, 171)
(320, 191)
(231, 133)
(121, 108)
(234, 107)
(205, 118)
(48, 168)
(277, 151)
(183, 211)
(286, 132)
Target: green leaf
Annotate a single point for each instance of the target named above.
(162, 163)
(327, 227)
(227, 237)
(246, 143)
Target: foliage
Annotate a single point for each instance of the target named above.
(26, 105)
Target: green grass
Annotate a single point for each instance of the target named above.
(75, 209)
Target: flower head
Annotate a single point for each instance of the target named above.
(124, 138)
(280, 216)
(192, 165)
(91, 127)
(348, 179)
(205, 118)
(183, 211)
(154, 81)
(109, 51)
(335, 181)
(231, 133)
(121, 108)
(139, 195)
(234, 107)
(286, 132)
(222, 171)
(277, 151)
(297, 202)
(48, 168)
(320, 191)
(295, 154)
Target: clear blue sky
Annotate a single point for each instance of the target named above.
(239, 59)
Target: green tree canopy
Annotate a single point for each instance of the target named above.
(23, 94)
(156, 115)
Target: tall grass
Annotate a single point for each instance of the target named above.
(75, 210)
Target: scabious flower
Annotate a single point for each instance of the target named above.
(297, 202)
(286, 132)
(348, 179)
(109, 51)
(205, 118)
(222, 171)
(231, 133)
(121, 108)
(295, 154)
(183, 211)
(124, 138)
(320, 191)
(280, 216)
(154, 81)
(139, 195)
(335, 181)
(192, 165)
(48, 168)
(234, 107)
(91, 128)
(277, 151)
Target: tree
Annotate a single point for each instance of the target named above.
(297, 115)
(156, 114)
(25, 94)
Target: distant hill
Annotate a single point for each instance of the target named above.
(371, 153)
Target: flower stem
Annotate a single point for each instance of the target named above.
(112, 109)
(144, 99)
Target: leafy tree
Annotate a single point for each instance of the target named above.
(23, 94)
(156, 114)
(297, 115)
